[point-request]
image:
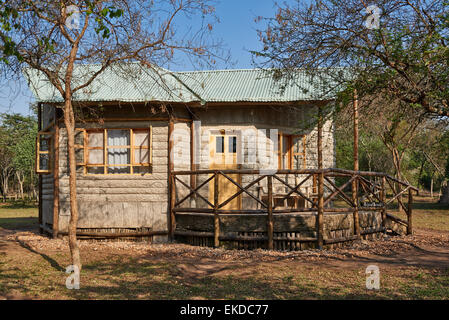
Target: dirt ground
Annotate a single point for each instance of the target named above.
(32, 266)
(413, 267)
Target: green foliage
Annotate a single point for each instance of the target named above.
(373, 156)
(110, 12)
(425, 160)
(10, 20)
(18, 136)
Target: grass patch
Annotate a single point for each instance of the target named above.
(123, 277)
(428, 214)
(15, 217)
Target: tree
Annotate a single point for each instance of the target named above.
(24, 158)
(52, 37)
(398, 47)
(6, 168)
(429, 155)
(373, 156)
(19, 136)
(389, 121)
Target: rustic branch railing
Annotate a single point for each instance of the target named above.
(368, 192)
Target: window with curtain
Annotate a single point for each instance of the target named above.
(118, 151)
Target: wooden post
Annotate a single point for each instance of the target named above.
(193, 178)
(356, 165)
(410, 212)
(356, 131)
(384, 200)
(216, 217)
(172, 206)
(320, 218)
(270, 212)
(39, 185)
(171, 179)
(56, 179)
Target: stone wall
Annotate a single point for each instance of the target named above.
(257, 121)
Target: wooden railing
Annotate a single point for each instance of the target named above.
(358, 190)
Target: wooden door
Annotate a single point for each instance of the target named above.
(223, 156)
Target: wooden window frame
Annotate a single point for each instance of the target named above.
(105, 148)
(303, 152)
(49, 152)
(290, 152)
(81, 146)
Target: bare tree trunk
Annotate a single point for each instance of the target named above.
(20, 179)
(69, 121)
(419, 176)
(6, 173)
(431, 188)
(444, 198)
(397, 161)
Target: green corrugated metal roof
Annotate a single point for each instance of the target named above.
(133, 82)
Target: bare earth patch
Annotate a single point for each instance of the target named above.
(32, 266)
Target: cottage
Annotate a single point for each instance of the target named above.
(200, 156)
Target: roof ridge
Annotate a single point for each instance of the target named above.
(221, 70)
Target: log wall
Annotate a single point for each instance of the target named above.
(119, 201)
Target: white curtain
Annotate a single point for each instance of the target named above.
(117, 156)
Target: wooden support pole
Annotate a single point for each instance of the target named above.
(320, 218)
(216, 217)
(39, 185)
(56, 180)
(193, 177)
(171, 180)
(172, 207)
(356, 165)
(355, 200)
(384, 200)
(410, 212)
(270, 226)
(356, 131)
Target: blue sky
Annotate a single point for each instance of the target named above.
(237, 29)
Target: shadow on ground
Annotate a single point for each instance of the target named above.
(20, 223)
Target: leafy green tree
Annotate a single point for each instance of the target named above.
(18, 142)
(6, 168)
(24, 152)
